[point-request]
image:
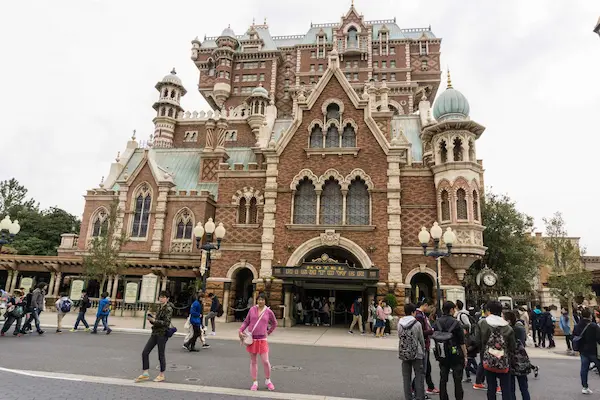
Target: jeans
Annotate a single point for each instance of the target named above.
(427, 369)
(104, 319)
(471, 367)
(210, 316)
(407, 369)
(480, 376)
(586, 360)
(33, 316)
(9, 321)
(569, 340)
(505, 385)
(457, 372)
(161, 341)
(537, 336)
(197, 333)
(523, 386)
(81, 318)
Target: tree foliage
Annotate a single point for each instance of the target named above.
(568, 277)
(40, 229)
(511, 252)
(103, 258)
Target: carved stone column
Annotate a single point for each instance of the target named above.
(210, 139)
(109, 286)
(57, 283)
(159, 219)
(268, 238)
(8, 281)
(221, 130)
(394, 211)
(318, 216)
(13, 284)
(50, 289)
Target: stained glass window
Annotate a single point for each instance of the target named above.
(333, 137)
(445, 206)
(357, 203)
(461, 204)
(331, 203)
(316, 137)
(305, 203)
(141, 214)
(184, 225)
(242, 211)
(349, 137)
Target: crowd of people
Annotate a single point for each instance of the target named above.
(497, 336)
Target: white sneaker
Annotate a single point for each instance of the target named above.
(213, 333)
(586, 391)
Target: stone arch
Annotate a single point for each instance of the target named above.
(143, 187)
(305, 173)
(352, 124)
(247, 193)
(314, 123)
(327, 102)
(180, 214)
(359, 173)
(460, 183)
(352, 25)
(334, 173)
(332, 122)
(240, 265)
(343, 243)
(100, 212)
(421, 269)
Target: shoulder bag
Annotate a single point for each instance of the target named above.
(248, 334)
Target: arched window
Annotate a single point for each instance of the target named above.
(332, 139)
(316, 137)
(475, 206)
(162, 112)
(253, 211)
(184, 226)
(170, 112)
(100, 226)
(393, 109)
(457, 149)
(166, 93)
(443, 152)
(333, 111)
(305, 203)
(262, 108)
(352, 37)
(472, 151)
(461, 204)
(357, 203)
(142, 212)
(172, 94)
(445, 206)
(242, 212)
(331, 203)
(349, 136)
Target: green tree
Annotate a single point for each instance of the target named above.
(103, 258)
(511, 252)
(13, 194)
(568, 277)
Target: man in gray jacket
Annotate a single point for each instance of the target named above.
(37, 305)
(411, 350)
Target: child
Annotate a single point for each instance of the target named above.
(63, 306)
(102, 314)
(472, 352)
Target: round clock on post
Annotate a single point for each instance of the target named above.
(487, 277)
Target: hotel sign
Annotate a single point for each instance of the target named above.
(326, 271)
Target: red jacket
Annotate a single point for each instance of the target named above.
(427, 328)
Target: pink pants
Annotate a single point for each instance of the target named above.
(254, 365)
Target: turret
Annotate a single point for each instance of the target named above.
(258, 103)
(223, 55)
(167, 108)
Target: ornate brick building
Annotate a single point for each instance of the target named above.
(322, 157)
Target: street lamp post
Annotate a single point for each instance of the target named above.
(210, 229)
(8, 230)
(449, 239)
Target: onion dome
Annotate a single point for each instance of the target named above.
(172, 78)
(260, 91)
(228, 32)
(451, 104)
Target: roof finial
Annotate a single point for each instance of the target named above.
(352, 3)
(449, 80)
(173, 72)
(253, 21)
(229, 26)
(265, 21)
(133, 137)
(102, 182)
(118, 156)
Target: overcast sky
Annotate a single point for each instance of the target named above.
(79, 76)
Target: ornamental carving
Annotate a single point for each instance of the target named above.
(463, 237)
(181, 246)
(330, 238)
(325, 259)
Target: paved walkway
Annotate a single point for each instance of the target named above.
(300, 335)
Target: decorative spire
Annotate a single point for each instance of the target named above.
(253, 21)
(352, 3)
(173, 72)
(265, 21)
(118, 156)
(102, 182)
(449, 86)
(133, 137)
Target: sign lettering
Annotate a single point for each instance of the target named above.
(325, 271)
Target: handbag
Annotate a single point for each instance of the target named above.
(171, 331)
(248, 334)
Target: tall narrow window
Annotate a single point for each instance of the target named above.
(461, 204)
(349, 136)
(352, 38)
(357, 203)
(100, 226)
(253, 211)
(472, 157)
(445, 206)
(316, 137)
(458, 150)
(333, 137)
(443, 152)
(475, 206)
(142, 213)
(242, 211)
(331, 203)
(305, 203)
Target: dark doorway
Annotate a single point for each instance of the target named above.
(242, 293)
(421, 287)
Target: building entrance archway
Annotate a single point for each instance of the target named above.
(242, 292)
(421, 287)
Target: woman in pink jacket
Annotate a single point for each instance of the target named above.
(261, 323)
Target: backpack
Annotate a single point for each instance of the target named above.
(18, 311)
(443, 342)
(408, 346)
(65, 306)
(577, 340)
(352, 309)
(521, 365)
(495, 355)
(220, 310)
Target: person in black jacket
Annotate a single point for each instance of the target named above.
(456, 357)
(588, 346)
(36, 305)
(547, 328)
(84, 304)
(214, 309)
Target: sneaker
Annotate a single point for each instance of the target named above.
(58, 331)
(536, 371)
(40, 332)
(142, 378)
(271, 387)
(350, 332)
(586, 391)
(73, 330)
(213, 333)
(254, 387)
(362, 334)
(87, 329)
(1, 333)
(94, 332)
(432, 391)
(159, 378)
(206, 346)
(186, 346)
(467, 380)
(194, 350)
(108, 333)
(479, 386)
(498, 390)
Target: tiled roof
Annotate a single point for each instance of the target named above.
(280, 126)
(240, 155)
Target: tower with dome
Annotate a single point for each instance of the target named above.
(322, 157)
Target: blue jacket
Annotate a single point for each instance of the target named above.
(196, 314)
(103, 303)
(564, 324)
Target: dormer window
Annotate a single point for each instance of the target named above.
(333, 111)
(352, 38)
